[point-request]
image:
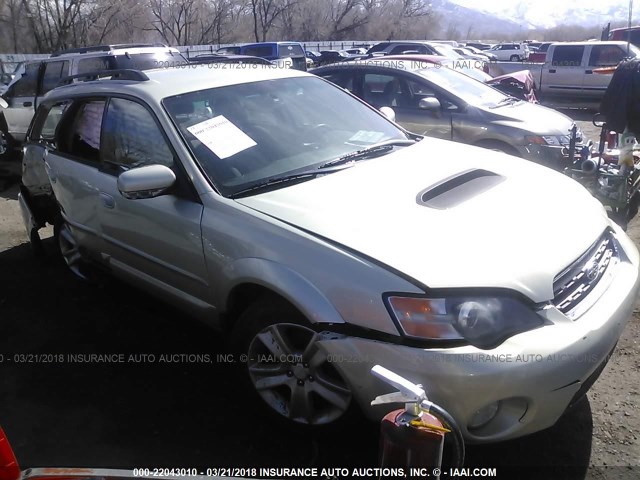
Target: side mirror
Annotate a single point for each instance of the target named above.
(429, 103)
(389, 113)
(5, 78)
(145, 182)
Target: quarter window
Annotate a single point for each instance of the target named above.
(132, 138)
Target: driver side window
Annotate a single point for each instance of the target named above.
(131, 137)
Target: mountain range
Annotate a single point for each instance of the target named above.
(532, 14)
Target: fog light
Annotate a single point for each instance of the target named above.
(484, 416)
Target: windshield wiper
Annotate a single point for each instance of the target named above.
(507, 101)
(373, 151)
(284, 179)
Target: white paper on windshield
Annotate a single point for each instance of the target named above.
(366, 136)
(221, 136)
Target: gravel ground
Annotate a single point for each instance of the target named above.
(190, 414)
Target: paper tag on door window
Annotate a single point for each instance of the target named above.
(366, 136)
(221, 136)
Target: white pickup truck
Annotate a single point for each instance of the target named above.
(568, 71)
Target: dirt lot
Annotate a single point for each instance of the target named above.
(188, 413)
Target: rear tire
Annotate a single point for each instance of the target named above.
(285, 370)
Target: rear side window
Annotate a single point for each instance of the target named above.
(28, 84)
(131, 137)
(567, 56)
(606, 55)
(79, 134)
(46, 121)
(53, 72)
(95, 64)
(259, 51)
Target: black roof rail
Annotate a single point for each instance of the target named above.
(106, 48)
(122, 74)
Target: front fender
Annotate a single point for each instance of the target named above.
(284, 281)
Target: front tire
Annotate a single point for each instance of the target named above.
(514, 58)
(286, 368)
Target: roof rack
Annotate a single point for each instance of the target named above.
(122, 74)
(106, 48)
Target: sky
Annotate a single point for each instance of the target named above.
(546, 13)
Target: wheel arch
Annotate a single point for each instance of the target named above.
(253, 278)
(495, 144)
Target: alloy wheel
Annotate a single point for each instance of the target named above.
(70, 250)
(294, 377)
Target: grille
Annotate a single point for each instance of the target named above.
(580, 278)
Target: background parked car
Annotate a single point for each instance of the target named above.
(36, 78)
(568, 71)
(313, 56)
(486, 53)
(280, 53)
(443, 103)
(239, 59)
(540, 55)
(396, 48)
(235, 50)
(471, 68)
(514, 52)
(333, 56)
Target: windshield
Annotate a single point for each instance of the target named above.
(471, 91)
(243, 135)
(633, 50)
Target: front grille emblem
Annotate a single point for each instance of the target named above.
(592, 270)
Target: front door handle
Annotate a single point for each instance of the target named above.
(27, 104)
(107, 200)
(553, 70)
(588, 72)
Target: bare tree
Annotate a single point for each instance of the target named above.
(265, 13)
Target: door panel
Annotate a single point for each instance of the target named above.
(21, 97)
(562, 74)
(595, 84)
(155, 237)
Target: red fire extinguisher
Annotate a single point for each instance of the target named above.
(413, 436)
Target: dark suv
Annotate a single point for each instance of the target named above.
(35, 78)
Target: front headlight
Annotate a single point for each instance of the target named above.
(484, 322)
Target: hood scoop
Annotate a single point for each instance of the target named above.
(458, 188)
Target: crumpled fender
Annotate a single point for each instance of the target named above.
(298, 290)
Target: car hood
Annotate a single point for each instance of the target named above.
(517, 230)
(532, 117)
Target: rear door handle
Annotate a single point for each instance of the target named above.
(588, 72)
(553, 70)
(107, 200)
(27, 104)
